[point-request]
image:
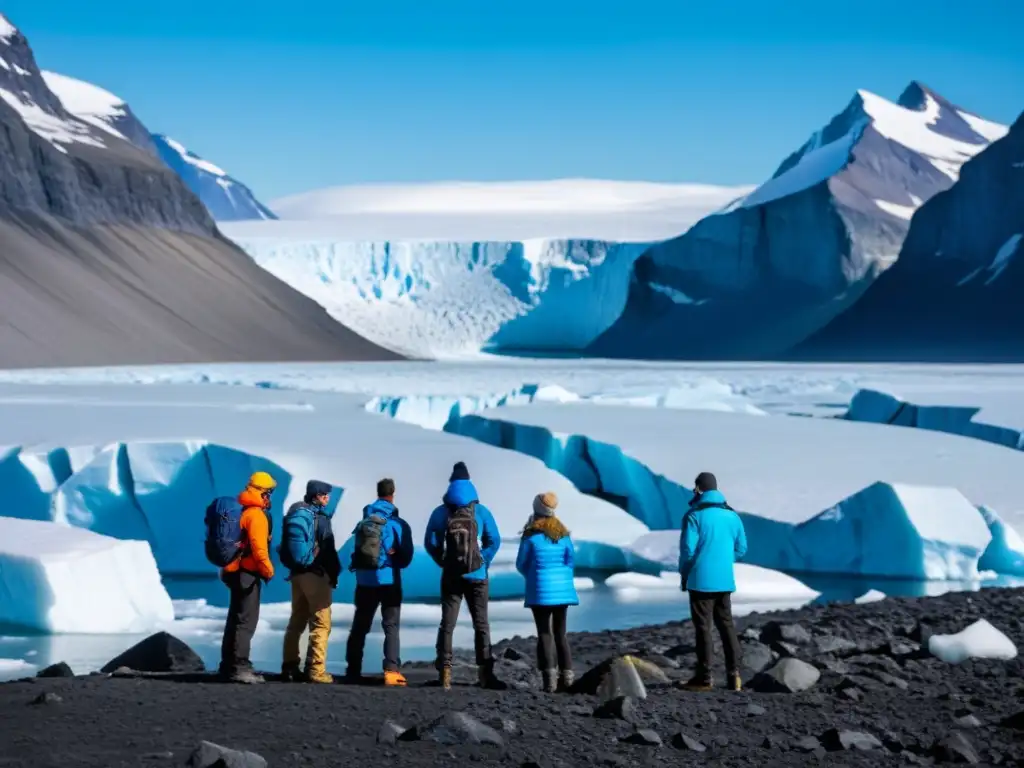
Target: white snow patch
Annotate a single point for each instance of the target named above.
(871, 596)
(4, 64)
(677, 296)
(89, 102)
(193, 159)
(7, 30)
(54, 129)
(986, 128)
(753, 584)
(58, 579)
(1003, 255)
(978, 641)
(899, 211)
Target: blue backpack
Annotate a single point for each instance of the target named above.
(298, 542)
(224, 542)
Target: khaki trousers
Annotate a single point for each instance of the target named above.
(311, 607)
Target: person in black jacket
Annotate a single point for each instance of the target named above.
(312, 594)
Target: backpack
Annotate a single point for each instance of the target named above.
(369, 534)
(298, 547)
(224, 542)
(461, 541)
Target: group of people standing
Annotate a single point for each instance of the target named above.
(462, 538)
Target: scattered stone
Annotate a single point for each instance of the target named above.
(389, 732)
(757, 657)
(45, 699)
(784, 649)
(787, 676)
(750, 633)
(508, 726)
(60, 669)
(1014, 721)
(921, 634)
(808, 744)
(835, 740)
(893, 741)
(852, 693)
(612, 678)
(967, 721)
(774, 632)
(890, 680)
(511, 654)
(955, 748)
(832, 664)
(619, 708)
(210, 755)
(680, 650)
(771, 741)
(721, 740)
(687, 743)
(454, 728)
(833, 644)
(645, 737)
(755, 710)
(161, 652)
(158, 756)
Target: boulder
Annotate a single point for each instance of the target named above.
(775, 632)
(46, 699)
(754, 710)
(60, 669)
(210, 755)
(955, 748)
(757, 656)
(832, 644)
(687, 743)
(161, 652)
(835, 740)
(619, 708)
(454, 728)
(643, 736)
(389, 732)
(808, 744)
(618, 676)
(787, 676)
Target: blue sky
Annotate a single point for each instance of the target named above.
(294, 96)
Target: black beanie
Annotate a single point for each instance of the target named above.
(705, 482)
(459, 472)
(315, 488)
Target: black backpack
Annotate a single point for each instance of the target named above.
(368, 536)
(461, 541)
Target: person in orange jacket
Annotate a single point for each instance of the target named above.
(245, 578)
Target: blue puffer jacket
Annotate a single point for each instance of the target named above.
(396, 547)
(712, 540)
(459, 494)
(548, 567)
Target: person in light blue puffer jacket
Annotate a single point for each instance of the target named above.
(547, 559)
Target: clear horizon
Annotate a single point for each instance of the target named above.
(289, 100)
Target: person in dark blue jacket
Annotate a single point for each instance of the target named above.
(547, 559)
(712, 540)
(380, 585)
(462, 538)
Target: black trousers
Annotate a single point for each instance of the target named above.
(367, 599)
(243, 616)
(714, 608)
(552, 644)
(476, 593)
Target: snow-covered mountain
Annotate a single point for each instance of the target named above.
(108, 258)
(774, 267)
(440, 270)
(226, 198)
(955, 292)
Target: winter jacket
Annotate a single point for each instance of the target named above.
(548, 563)
(396, 547)
(256, 530)
(712, 539)
(461, 493)
(326, 563)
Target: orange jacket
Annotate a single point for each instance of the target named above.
(255, 535)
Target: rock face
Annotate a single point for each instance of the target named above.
(226, 199)
(954, 293)
(109, 258)
(761, 276)
(161, 652)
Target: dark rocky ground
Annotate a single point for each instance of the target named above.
(876, 680)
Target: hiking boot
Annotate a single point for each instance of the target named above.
(699, 684)
(353, 676)
(290, 673)
(550, 677)
(319, 676)
(394, 679)
(566, 680)
(489, 680)
(446, 678)
(246, 677)
(734, 682)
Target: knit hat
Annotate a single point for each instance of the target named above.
(705, 482)
(545, 504)
(316, 488)
(459, 472)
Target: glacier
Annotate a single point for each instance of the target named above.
(52, 579)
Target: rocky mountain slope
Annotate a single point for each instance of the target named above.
(761, 276)
(954, 294)
(106, 257)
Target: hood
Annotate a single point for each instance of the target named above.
(460, 493)
(250, 497)
(380, 507)
(708, 499)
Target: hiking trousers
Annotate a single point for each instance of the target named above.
(367, 599)
(714, 608)
(552, 643)
(476, 593)
(243, 616)
(311, 607)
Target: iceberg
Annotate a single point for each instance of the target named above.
(978, 641)
(58, 579)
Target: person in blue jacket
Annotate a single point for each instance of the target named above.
(380, 585)
(712, 540)
(547, 559)
(462, 538)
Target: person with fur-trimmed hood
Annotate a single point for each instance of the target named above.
(547, 559)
